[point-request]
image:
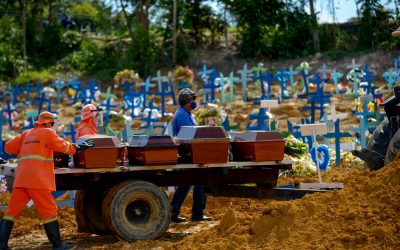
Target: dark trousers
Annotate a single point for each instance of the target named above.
(199, 200)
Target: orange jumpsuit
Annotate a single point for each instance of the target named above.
(35, 178)
(86, 127)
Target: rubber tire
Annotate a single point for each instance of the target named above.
(393, 148)
(117, 213)
(379, 141)
(88, 212)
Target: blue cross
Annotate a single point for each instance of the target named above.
(9, 112)
(28, 89)
(92, 90)
(183, 85)
(129, 100)
(71, 132)
(43, 99)
(390, 77)
(283, 76)
(244, 78)
(305, 76)
(211, 85)
(336, 135)
(262, 120)
(205, 72)
(59, 85)
(166, 90)
(335, 78)
(269, 78)
(146, 90)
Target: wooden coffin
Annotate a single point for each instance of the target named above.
(203, 144)
(108, 152)
(60, 160)
(152, 150)
(257, 146)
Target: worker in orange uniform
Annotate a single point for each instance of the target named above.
(35, 178)
(88, 124)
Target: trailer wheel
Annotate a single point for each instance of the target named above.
(88, 213)
(137, 210)
(379, 141)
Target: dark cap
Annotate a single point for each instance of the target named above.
(186, 96)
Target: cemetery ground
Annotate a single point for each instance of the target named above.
(364, 215)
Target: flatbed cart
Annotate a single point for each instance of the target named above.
(127, 201)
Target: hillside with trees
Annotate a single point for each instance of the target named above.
(97, 38)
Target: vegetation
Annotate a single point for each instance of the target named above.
(99, 37)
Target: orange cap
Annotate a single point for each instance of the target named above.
(45, 117)
(87, 111)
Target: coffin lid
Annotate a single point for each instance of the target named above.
(202, 132)
(255, 136)
(102, 141)
(152, 141)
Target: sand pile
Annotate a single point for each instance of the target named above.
(363, 215)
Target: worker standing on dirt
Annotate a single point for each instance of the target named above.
(183, 117)
(35, 177)
(92, 118)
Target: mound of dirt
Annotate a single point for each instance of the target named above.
(362, 215)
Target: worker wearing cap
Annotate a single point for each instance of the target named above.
(35, 178)
(88, 125)
(183, 117)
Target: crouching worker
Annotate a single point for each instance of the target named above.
(35, 178)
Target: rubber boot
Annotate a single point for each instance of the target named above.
(5, 231)
(53, 234)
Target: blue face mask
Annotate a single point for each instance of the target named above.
(193, 105)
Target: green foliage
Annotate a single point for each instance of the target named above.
(31, 76)
(71, 39)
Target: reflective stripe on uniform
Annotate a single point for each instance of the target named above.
(49, 220)
(68, 146)
(9, 218)
(35, 157)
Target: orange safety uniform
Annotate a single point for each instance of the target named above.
(86, 127)
(35, 177)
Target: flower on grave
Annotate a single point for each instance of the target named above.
(210, 114)
(126, 75)
(183, 73)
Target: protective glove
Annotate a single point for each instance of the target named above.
(84, 145)
(2, 161)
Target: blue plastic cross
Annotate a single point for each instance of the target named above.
(390, 77)
(9, 112)
(71, 132)
(261, 118)
(283, 76)
(335, 78)
(146, 90)
(244, 78)
(28, 89)
(167, 89)
(59, 85)
(211, 85)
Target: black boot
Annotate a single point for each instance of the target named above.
(53, 233)
(5, 231)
